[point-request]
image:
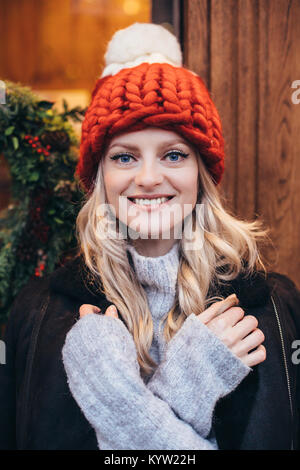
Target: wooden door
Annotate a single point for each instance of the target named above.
(248, 53)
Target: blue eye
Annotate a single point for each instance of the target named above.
(176, 153)
(174, 156)
(124, 156)
(121, 155)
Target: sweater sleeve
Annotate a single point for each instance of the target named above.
(103, 375)
(198, 369)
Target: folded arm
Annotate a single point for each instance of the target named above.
(198, 370)
(103, 374)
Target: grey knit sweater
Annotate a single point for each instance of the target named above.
(173, 410)
(158, 276)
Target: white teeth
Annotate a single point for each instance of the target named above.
(147, 202)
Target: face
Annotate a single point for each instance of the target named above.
(151, 180)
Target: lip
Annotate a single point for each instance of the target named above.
(151, 207)
(149, 196)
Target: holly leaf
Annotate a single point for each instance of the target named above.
(65, 105)
(34, 176)
(15, 142)
(45, 104)
(9, 130)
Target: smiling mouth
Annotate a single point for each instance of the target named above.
(150, 204)
(134, 199)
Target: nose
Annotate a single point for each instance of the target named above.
(148, 176)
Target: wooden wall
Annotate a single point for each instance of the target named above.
(60, 44)
(248, 53)
(57, 46)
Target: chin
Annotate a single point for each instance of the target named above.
(155, 233)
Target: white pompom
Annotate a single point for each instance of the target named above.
(138, 43)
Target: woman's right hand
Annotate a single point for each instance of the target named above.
(239, 332)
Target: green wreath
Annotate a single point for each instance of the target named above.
(37, 229)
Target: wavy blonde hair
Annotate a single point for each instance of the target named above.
(226, 242)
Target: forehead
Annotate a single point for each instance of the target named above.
(150, 136)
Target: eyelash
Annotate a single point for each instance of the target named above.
(172, 152)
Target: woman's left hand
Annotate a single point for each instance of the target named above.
(86, 309)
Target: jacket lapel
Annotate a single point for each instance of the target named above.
(252, 292)
(74, 280)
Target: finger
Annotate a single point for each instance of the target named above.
(255, 357)
(229, 318)
(217, 308)
(244, 327)
(111, 311)
(251, 341)
(86, 309)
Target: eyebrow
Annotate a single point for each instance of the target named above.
(134, 147)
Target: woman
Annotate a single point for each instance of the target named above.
(169, 365)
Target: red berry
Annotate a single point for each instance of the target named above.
(27, 137)
(47, 154)
(33, 146)
(30, 141)
(48, 147)
(36, 139)
(42, 267)
(39, 150)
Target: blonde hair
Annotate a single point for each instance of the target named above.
(227, 241)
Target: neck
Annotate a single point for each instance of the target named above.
(158, 272)
(153, 248)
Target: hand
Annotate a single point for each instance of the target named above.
(239, 332)
(86, 309)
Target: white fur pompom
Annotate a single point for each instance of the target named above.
(138, 43)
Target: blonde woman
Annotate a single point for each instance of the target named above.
(166, 331)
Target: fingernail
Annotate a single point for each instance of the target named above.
(113, 309)
(232, 296)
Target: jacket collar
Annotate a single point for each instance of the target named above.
(74, 280)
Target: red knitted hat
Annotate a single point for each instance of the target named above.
(145, 85)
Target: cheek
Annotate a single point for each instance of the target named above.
(114, 185)
(188, 185)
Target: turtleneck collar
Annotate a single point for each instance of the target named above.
(72, 280)
(157, 272)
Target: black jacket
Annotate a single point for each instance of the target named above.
(37, 410)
